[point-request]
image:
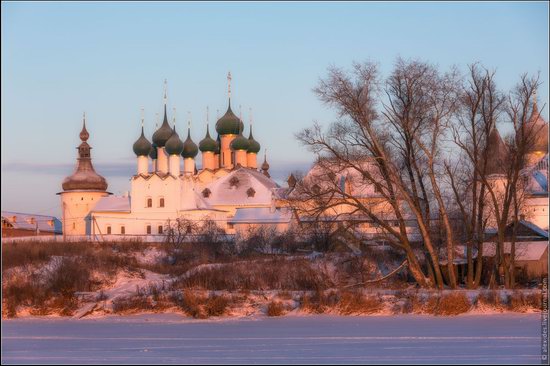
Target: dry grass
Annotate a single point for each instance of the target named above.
(520, 302)
(131, 304)
(453, 304)
(216, 305)
(355, 303)
(275, 308)
(273, 274)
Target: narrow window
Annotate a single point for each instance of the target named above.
(161, 202)
(108, 230)
(149, 202)
(122, 230)
(189, 229)
(148, 229)
(160, 229)
(74, 225)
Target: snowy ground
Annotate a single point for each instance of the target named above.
(170, 338)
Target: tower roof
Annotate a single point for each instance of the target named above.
(253, 145)
(190, 149)
(538, 129)
(207, 143)
(84, 176)
(142, 146)
(240, 142)
(496, 153)
(162, 134)
(174, 145)
(229, 123)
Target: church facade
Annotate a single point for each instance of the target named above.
(168, 185)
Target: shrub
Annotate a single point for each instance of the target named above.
(275, 308)
(191, 304)
(356, 303)
(453, 304)
(490, 298)
(522, 303)
(412, 303)
(131, 304)
(319, 301)
(216, 305)
(70, 276)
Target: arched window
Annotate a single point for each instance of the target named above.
(122, 230)
(148, 229)
(250, 192)
(206, 193)
(160, 229)
(161, 202)
(109, 230)
(149, 202)
(74, 225)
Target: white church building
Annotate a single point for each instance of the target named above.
(168, 185)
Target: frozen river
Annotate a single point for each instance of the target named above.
(504, 338)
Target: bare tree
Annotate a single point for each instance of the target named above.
(373, 153)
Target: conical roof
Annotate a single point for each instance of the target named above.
(84, 176)
(496, 153)
(538, 128)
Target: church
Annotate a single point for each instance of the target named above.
(230, 190)
(169, 185)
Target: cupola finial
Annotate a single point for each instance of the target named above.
(174, 118)
(165, 91)
(229, 86)
(142, 118)
(84, 135)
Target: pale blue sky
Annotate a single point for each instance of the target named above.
(110, 59)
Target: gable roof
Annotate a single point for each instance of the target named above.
(113, 204)
(233, 188)
(525, 251)
(27, 221)
(526, 231)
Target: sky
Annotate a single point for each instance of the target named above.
(110, 59)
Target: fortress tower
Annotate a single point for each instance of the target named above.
(81, 191)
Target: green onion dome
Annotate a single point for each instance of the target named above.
(163, 133)
(253, 145)
(229, 124)
(142, 146)
(208, 143)
(153, 153)
(190, 149)
(239, 143)
(174, 146)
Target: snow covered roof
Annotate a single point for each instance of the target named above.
(525, 251)
(26, 221)
(325, 175)
(243, 186)
(262, 215)
(113, 204)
